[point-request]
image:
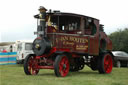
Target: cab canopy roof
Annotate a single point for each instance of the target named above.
(58, 13)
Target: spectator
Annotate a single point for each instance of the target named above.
(4, 51)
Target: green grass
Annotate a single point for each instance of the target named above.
(14, 75)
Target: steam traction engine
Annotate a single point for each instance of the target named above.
(66, 42)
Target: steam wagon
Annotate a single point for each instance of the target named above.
(67, 42)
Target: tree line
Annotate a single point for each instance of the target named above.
(120, 40)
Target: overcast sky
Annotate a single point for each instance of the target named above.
(17, 22)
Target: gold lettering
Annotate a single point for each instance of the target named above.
(64, 38)
(81, 47)
(73, 39)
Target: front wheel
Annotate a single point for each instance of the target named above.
(105, 63)
(61, 66)
(30, 65)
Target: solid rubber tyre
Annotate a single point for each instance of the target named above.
(30, 64)
(105, 63)
(61, 66)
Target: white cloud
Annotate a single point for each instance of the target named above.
(16, 16)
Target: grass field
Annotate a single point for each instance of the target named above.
(14, 75)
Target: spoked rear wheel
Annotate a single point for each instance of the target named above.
(105, 63)
(30, 65)
(61, 66)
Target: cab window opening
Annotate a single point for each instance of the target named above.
(69, 23)
(90, 27)
(64, 23)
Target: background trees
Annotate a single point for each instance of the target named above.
(120, 40)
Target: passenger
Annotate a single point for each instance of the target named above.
(92, 27)
(75, 26)
(66, 28)
(70, 27)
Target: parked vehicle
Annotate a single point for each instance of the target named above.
(65, 40)
(121, 58)
(24, 48)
